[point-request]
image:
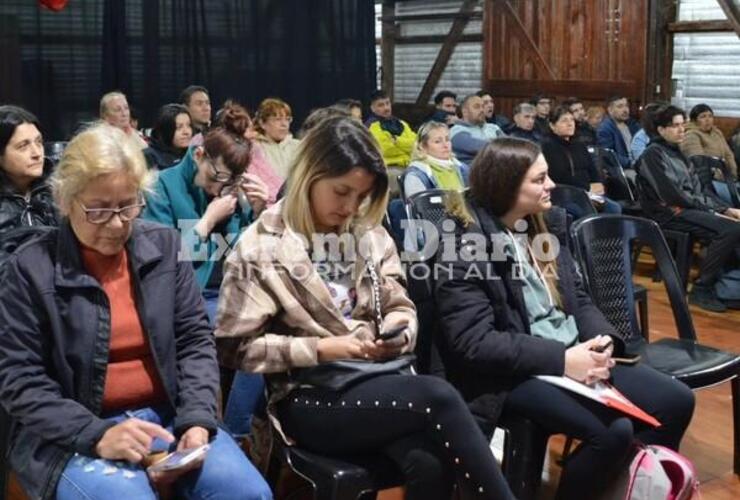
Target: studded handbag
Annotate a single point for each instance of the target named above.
(342, 374)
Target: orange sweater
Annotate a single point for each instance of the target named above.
(131, 380)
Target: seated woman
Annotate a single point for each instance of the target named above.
(522, 313)
(25, 196)
(571, 164)
(285, 306)
(274, 117)
(115, 111)
(211, 196)
(432, 164)
(704, 138)
(107, 355)
(171, 136)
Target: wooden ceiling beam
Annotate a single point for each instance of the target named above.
(731, 9)
(443, 57)
(699, 26)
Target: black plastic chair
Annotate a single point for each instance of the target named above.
(335, 478)
(617, 185)
(705, 166)
(603, 248)
(563, 196)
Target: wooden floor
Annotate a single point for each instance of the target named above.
(708, 442)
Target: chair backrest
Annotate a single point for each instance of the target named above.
(616, 179)
(563, 196)
(603, 247)
(430, 205)
(401, 180)
(705, 166)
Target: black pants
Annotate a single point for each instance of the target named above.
(723, 252)
(420, 422)
(606, 435)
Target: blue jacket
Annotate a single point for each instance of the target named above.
(467, 139)
(177, 202)
(55, 326)
(609, 136)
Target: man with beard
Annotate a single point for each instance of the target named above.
(473, 132)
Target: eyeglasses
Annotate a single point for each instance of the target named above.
(103, 215)
(215, 175)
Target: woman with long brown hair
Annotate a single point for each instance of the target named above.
(523, 311)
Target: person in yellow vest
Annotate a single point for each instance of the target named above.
(394, 136)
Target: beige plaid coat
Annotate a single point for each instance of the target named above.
(274, 307)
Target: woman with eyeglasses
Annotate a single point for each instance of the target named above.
(107, 354)
(210, 197)
(25, 197)
(274, 117)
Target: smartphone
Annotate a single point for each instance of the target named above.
(602, 347)
(391, 334)
(179, 459)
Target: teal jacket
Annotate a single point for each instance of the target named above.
(177, 202)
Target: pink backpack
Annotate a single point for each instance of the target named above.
(655, 473)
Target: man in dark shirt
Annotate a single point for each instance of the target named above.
(523, 127)
(489, 107)
(585, 133)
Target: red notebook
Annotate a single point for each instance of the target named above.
(604, 393)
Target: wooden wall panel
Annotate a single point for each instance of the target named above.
(588, 48)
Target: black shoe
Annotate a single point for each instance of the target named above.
(732, 303)
(703, 296)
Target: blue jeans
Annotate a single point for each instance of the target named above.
(608, 207)
(226, 472)
(247, 390)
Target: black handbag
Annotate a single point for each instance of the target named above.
(342, 374)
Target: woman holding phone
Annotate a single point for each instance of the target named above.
(107, 354)
(523, 311)
(290, 303)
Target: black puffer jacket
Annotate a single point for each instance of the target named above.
(488, 346)
(16, 210)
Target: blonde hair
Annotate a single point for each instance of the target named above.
(331, 149)
(99, 150)
(106, 99)
(422, 138)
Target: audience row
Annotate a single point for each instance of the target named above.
(117, 312)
